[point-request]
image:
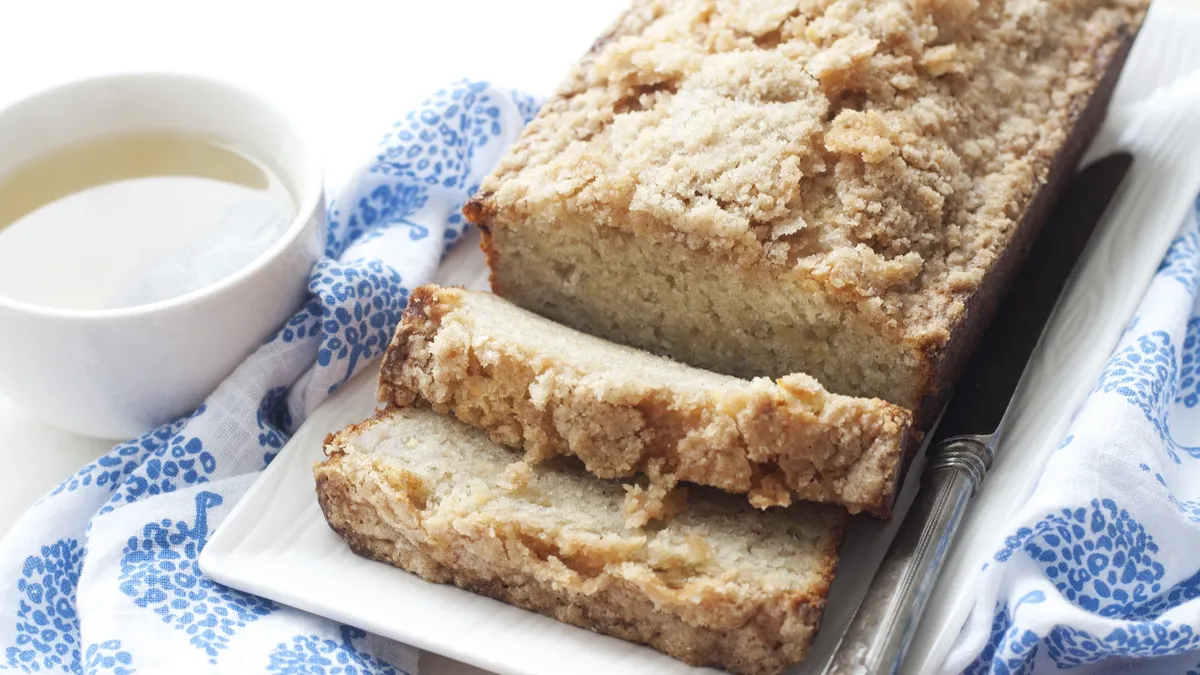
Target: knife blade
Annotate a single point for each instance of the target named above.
(995, 371)
(965, 440)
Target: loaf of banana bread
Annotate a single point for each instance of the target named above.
(836, 187)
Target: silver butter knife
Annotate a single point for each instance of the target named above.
(964, 443)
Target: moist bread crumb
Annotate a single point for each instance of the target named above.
(550, 390)
(721, 584)
(835, 187)
(646, 504)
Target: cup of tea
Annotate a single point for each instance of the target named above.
(155, 229)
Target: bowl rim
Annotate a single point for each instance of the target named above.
(311, 174)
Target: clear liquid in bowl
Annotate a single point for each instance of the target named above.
(133, 219)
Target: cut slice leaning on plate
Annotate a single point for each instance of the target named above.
(720, 584)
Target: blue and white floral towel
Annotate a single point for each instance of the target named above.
(1102, 564)
(1098, 570)
(101, 575)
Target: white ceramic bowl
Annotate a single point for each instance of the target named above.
(116, 373)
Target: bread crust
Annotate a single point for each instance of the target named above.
(944, 363)
(775, 441)
(381, 511)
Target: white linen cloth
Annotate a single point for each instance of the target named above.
(100, 576)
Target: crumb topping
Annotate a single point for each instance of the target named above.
(886, 148)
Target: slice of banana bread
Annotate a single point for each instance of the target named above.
(837, 187)
(534, 384)
(721, 584)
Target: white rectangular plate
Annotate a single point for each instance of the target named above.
(275, 543)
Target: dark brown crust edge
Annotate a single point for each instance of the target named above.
(607, 611)
(945, 364)
(422, 306)
(479, 211)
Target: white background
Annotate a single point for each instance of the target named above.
(346, 69)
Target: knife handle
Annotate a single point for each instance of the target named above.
(882, 628)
